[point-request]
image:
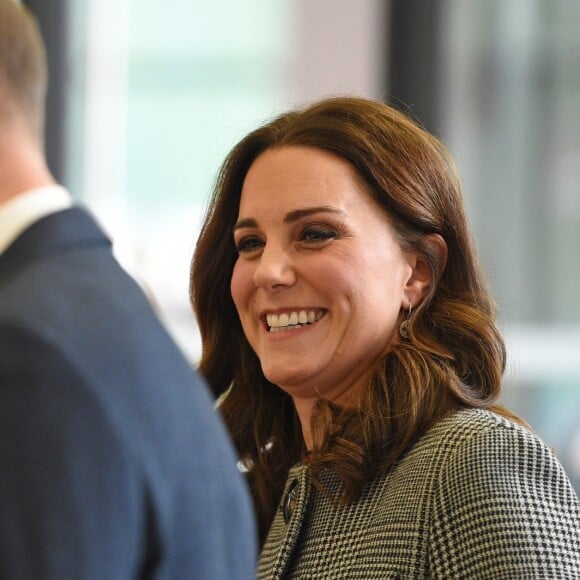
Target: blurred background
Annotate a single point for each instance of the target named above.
(147, 98)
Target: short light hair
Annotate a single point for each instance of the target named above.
(23, 66)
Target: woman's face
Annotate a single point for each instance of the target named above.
(320, 280)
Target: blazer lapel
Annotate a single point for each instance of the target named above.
(287, 524)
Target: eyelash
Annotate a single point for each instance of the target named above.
(248, 244)
(314, 235)
(310, 235)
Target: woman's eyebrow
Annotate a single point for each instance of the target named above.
(292, 216)
(300, 213)
(245, 223)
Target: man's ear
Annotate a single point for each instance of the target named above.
(424, 267)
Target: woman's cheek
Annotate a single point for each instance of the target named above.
(238, 282)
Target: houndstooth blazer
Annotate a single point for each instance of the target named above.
(476, 497)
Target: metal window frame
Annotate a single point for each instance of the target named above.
(414, 61)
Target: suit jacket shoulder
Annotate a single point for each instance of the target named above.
(114, 463)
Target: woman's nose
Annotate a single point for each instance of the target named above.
(275, 270)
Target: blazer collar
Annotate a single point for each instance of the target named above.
(56, 233)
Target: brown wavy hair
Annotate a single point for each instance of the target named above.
(454, 356)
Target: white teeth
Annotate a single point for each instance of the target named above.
(278, 322)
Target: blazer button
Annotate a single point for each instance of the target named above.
(290, 500)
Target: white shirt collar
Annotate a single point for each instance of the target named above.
(26, 208)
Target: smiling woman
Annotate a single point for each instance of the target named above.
(342, 307)
(311, 241)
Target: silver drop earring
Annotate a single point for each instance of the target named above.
(404, 328)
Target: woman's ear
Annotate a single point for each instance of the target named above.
(424, 268)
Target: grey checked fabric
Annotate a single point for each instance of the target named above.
(476, 497)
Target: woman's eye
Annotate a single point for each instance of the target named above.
(248, 244)
(318, 235)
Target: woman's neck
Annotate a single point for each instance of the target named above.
(304, 408)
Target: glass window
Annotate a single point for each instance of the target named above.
(511, 86)
(171, 86)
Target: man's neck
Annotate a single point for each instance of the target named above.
(22, 163)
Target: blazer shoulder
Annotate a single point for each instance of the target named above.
(34, 359)
(28, 343)
(463, 432)
(502, 503)
(470, 430)
(491, 455)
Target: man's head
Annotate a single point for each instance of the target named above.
(23, 69)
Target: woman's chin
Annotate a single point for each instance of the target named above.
(289, 379)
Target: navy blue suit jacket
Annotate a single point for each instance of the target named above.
(113, 463)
